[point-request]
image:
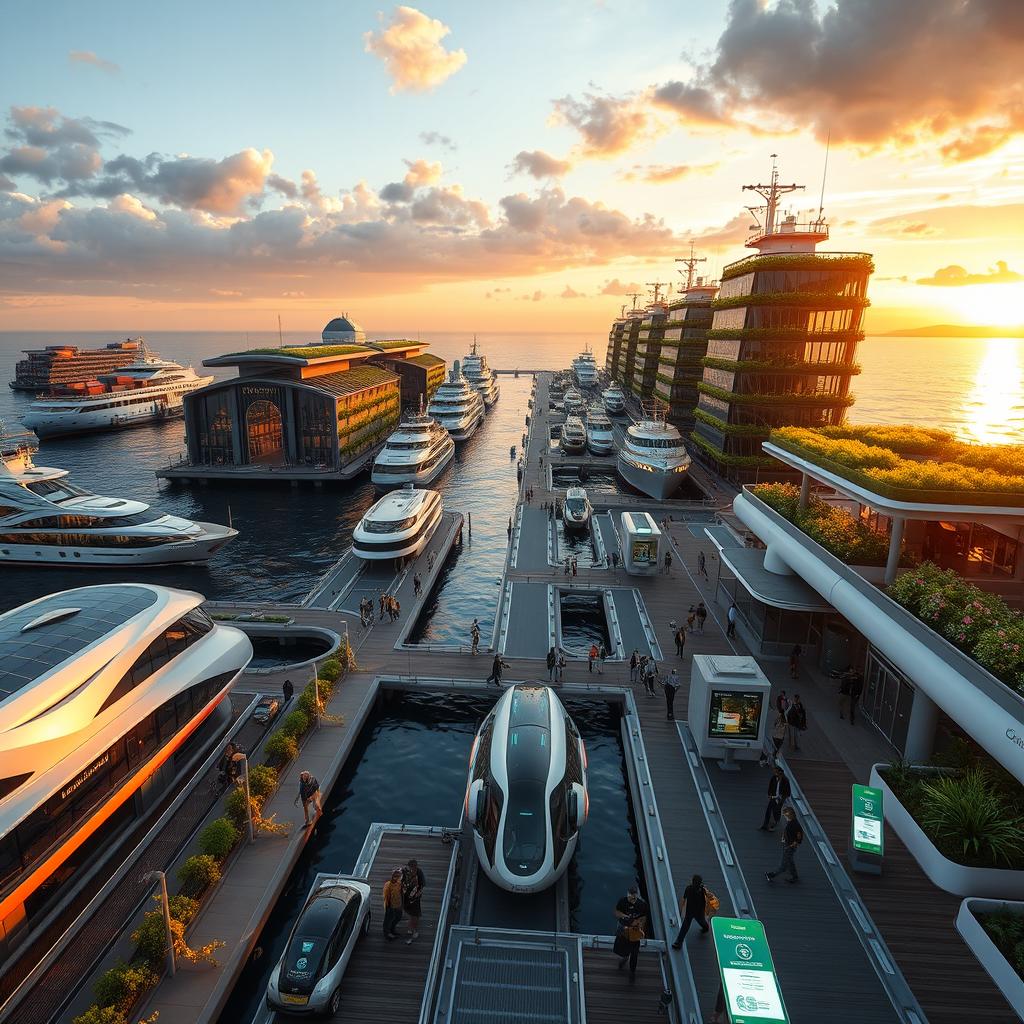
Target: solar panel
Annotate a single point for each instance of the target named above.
(26, 654)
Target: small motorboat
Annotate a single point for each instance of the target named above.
(574, 436)
(576, 509)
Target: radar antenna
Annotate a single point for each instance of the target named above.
(690, 263)
(656, 286)
(771, 194)
(634, 296)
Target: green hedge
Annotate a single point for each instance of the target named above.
(198, 873)
(777, 366)
(735, 461)
(861, 261)
(218, 838)
(280, 749)
(807, 300)
(786, 398)
(732, 429)
(780, 334)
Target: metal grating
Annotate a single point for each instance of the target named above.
(511, 984)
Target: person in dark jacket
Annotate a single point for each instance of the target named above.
(779, 791)
(694, 908)
(792, 837)
(552, 663)
(631, 912)
(288, 689)
(496, 668)
(796, 718)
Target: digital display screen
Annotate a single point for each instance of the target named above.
(645, 551)
(734, 714)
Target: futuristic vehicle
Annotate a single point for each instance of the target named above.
(527, 794)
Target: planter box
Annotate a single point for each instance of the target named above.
(1007, 980)
(993, 883)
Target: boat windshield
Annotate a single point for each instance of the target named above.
(575, 505)
(377, 526)
(525, 833)
(55, 491)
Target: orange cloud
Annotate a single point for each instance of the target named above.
(664, 174)
(956, 276)
(90, 59)
(410, 47)
(539, 164)
(607, 125)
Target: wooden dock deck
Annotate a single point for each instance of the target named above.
(611, 998)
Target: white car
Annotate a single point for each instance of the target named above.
(307, 978)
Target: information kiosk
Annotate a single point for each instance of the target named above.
(640, 540)
(730, 707)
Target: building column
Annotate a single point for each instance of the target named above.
(238, 428)
(895, 543)
(773, 563)
(805, 490)
(290, 426)
(924, 719)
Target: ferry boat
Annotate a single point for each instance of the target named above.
(46, 520)
(614, 399)
(416, 453)
(457, 406)
(480, 376)
(398, 525)
(653, 458)
(60, 365)
(574, 437)
(576, 509)
(600, 436)
(573, 402)
(527, 794)
(148, 389)
(585, 369)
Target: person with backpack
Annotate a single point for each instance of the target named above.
(698, 904)
(792, 837)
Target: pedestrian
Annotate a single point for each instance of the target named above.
(702, 614)
(602, 653)
(778, 734)
(650, 675)
(413, 883)
(631, 911)
(691, 618)
(309, 794)
(796, 719)
(615, 559)
(417, 585)
(697, 903)
(634, 664)
(668, 562)
(680, 642)
(496, 667)
(794, 661)
(730, 630)
(392, 904)
(779, 791)
(702, 565)
(396, 608)
(856, 689)
(288, 690)
(474, 638)
(792, 837)
(561, 666)
(383, 605)
(671, 685)
(552, 663)
(591, 657)
(781, 702)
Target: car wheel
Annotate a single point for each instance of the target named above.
(334, 1002)
(366, 925)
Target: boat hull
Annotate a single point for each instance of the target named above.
(658, 484)
(389, 481)
(61, 425)
(464, 433)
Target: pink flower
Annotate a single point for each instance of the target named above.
(967, 620)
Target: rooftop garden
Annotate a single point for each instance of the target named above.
(856, 261)
(306, 351)
(394, 343)
(913, 464)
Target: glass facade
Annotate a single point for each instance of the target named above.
(212, 426)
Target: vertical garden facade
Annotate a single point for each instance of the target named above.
(680, 359)
(648, 348)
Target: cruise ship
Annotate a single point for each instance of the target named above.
(573, 403)
(480, 376)
(574, 437)
(416, 453)
(585, 369)
(46, 520)
(59, 365)
(600, 436)
(614, 399)
(653, 458)
(398, 525)
(457, 406)
(108, 694)
(148, 389)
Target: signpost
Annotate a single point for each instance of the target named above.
(867, 830)
(751, 989)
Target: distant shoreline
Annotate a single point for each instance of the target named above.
(952, 331)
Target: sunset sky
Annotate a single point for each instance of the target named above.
(476, 166)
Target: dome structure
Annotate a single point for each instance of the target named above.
(344, 330)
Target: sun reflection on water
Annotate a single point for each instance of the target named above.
(993, 410)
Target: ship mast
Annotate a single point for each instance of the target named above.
(690, 262)
(771, 194)
(634, 296)
(656, 286)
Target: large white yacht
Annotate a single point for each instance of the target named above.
(614, 399)
(398, 525)
(480, 376)
(148, 389)
(573, 403)
(457, 406)
(416, 453)
(585, 369)
(46, 520)
(653, 458)
(600, 435)
(574, 437)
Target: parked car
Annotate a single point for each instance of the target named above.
(307, 978)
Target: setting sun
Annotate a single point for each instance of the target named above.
(991, 305)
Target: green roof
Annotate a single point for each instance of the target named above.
(350, 382)
(394, 343)
(307, 351)
(426, 359)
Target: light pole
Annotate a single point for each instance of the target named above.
(316, 696)
(154, 876)
(248, 800)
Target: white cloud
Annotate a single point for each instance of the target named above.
(410, 47)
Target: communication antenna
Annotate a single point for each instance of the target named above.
(771, 194)
(634, 296)
(824, 174)
(622, 311)
(280, 337)
(657, 286)
(691, 262)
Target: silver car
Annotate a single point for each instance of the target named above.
(307, 979)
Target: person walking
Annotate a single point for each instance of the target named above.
(288, 690)
(697, 902)
(631, 912)
(794, 661)
(856, 689)
(413, 884)
(561, 666)
(602, 654)
(796, 719)
(702, 566)
(591, 657)
(396, 608)
(778, 734)
(691, 618)
(496, 667)
(383, 605)
(668, 562)
(309, 794)
(417, 585)
(730, 630)
(671, 685)
(702, 614)
(781, 702)
(680, 642)
(615, 559)
(392, 904)
(792, 837)
(552, 663)
(779, 791)
(634, 665)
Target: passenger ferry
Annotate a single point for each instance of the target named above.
(109, 694)
(585, 369)
(46, 520)
(574, 436)
(653, 458)
(457, 406)
(576, 510)
(148, 389)
(600, 436)
(573, 403)
(614, 399)
(480, 376)
(399, 525)
(416, 453)
(527, 794)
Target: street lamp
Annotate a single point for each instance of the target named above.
(248, 801)
(154, 876)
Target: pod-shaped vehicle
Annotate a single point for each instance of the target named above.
(527, 793)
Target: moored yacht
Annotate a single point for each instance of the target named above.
(480, 376)
(573, 403)
(600, 436)
(653, 458)
(576, 509)
(457, 406)
(574, 437)
(614, 399)
(585, 369)
(46, 520)
(398, 525)
(416, 453)
(148, 389)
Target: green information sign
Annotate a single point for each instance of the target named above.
(868, 831)
(751, 989)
